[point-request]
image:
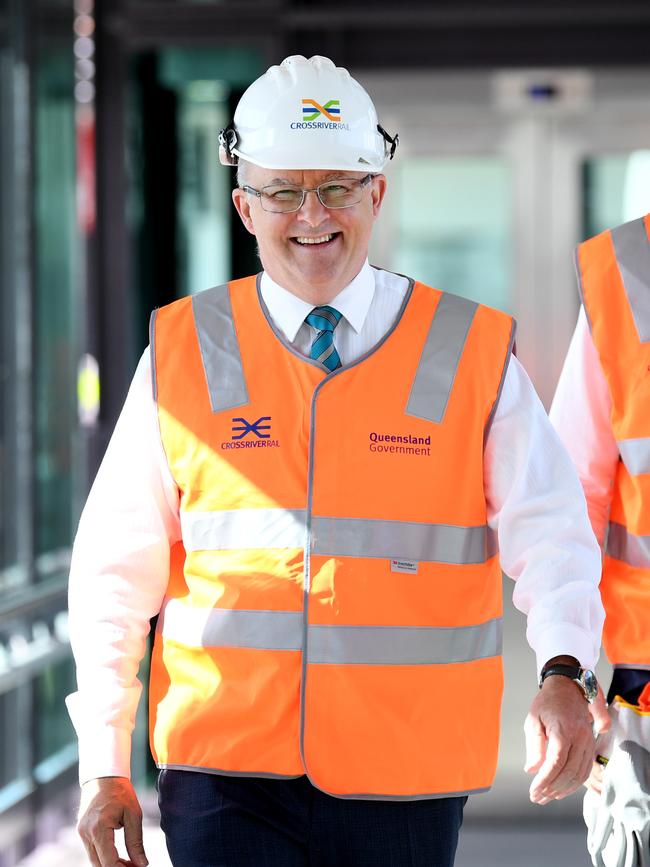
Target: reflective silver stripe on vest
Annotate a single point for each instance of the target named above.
(504, 372)
(636, 455)
(631, 549)
(225, 627)
(152, 352)
(219, 347)
(220, 772)
(243, 528)
(440, 357)
(436, 543)
(403, 645)
(632, 249)
(347, 645)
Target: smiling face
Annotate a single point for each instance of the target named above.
(316, 251)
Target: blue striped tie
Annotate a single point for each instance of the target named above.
(324, 320)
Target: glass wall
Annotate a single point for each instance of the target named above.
(38, 427)
(55, 350)
(12, 224)
(10, 729)
(55, 280)
(452, 221)
(204, 188)
(55, 746)
(180, 210)
(616, 189)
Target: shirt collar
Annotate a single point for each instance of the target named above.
(288, 311)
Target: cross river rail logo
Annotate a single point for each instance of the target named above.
(241, 428)
(399, 444)
(330, 114)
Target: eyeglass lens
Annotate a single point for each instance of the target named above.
(337, 193)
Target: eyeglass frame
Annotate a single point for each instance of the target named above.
(363, 183)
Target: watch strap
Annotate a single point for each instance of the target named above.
(571, 671)
(584, 678)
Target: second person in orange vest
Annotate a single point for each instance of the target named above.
(602, 413)
(318, 475)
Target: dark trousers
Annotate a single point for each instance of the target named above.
(628, 683)
(218, 821)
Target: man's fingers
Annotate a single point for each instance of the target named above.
(105, 847)
(557, 754)
(92, 855)
(102, 852)
(535, 744)
(133, 838)
(560, 712)
(99, 842)
(564, 771)
(109, 803)
(575, 773)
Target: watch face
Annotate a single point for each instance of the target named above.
(590, 684)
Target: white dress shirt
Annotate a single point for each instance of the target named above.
(120, 563)
(581, 414)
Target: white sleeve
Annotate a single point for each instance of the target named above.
(119, 573)
(536, 504)
(581, 414)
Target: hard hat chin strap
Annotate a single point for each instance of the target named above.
(227, 140)
(391, 142)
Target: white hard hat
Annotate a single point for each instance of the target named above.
(307, 114)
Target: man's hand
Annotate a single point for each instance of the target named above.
(107, 804)
(559, 740)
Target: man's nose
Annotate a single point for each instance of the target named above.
(312, 211)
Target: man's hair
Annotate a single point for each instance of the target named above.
(242, 172)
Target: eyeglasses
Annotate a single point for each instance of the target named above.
(335, 193)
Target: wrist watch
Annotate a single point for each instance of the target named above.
(583, 677)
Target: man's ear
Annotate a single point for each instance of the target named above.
(242, 204)
(378, 191)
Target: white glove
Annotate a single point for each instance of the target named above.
(618, 820)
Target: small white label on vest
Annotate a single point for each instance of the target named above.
(409, 566)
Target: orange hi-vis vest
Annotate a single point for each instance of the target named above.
(614, 275)
(335, 606)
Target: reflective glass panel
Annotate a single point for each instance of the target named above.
(15, 321)
(453, 225)
(204, 188)
(616, 189)
(8, 466)
(54, 731)
(10, 728)
(55, 422)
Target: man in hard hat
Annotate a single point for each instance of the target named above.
(311, 481)
(600, 410)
